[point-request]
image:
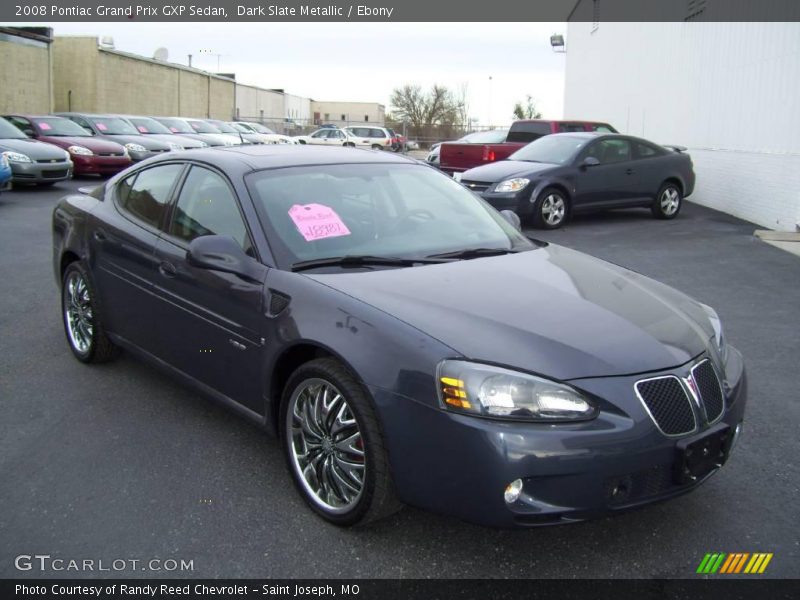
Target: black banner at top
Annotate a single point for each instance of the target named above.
(33, 11)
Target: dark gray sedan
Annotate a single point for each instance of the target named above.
(122, 132)
(569, 173)
(32, 161)
(404, 340)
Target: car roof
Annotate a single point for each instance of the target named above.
(270, 156)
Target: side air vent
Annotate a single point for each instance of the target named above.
(277, 302)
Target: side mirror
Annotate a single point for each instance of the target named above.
(29, 132)
(88, 130)
(512, 218)
(590, 161)
(223, 253)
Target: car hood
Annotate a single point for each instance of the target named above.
(142, 140)
(168, 138)
(503, 169)
(33, 148)
(92, 143)
(552, 311)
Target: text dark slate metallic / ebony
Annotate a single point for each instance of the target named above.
(387, 324)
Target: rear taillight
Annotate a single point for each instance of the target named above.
(488, 155)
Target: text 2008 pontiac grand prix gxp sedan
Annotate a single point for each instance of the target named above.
(404, 339)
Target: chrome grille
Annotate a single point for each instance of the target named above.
(667, 403)
(476, 186)
(709, 389)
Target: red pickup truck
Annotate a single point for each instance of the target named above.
(455, 157)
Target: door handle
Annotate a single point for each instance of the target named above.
(99, 236)
(167, 269)
(629, 172)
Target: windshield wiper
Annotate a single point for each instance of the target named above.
(354, 260)
(476, 253)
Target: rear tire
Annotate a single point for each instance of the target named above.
(377, 147)
(333, 445)
(83, 325)
(668, 201)
(551, 209)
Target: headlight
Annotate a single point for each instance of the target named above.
(487, 391)
(512, 185)
(80, 150)
(135, 148)
(457, 176)
(17, 157)
(174, 146)
(203, 145)
(719, 334)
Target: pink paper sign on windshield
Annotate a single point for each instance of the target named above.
(44, 126)
(142, 128)
(317, 221)
(102, 126)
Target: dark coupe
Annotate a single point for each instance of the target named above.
(569, 173)
(399, 335)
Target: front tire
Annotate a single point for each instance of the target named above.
(334, 447)
(550, 209)
(668, 201)
(86, 334)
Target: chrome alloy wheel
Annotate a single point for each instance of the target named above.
(326, 446)
(78, 313)
(670, 201)
(553, 209)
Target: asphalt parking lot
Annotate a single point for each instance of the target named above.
(120, 462)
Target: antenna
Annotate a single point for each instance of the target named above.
(161, 54)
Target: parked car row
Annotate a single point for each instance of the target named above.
(45, 149)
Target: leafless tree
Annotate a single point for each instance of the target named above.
(437, 108)
(527, 110)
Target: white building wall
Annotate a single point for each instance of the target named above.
(257, 103)
(297, 107)
(730, 92)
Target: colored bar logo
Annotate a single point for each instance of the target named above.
(734, 563)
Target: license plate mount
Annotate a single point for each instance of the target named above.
(699, 455)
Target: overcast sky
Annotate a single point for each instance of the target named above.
(365, 61)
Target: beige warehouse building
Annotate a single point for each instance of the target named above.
(25, 69)
(89, 77)
(348, 113)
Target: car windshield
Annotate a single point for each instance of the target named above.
(387, 210)
(239, 127)
(261, 128)
(58, 127)
(557, 149)
(203, 127)
(495, 136)
(223, 127)
(113, 126)
(176, 125)
(148, 126)
(9, 132)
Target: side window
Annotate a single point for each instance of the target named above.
(22, 124)
(603, 129)
(377, 133)
(610, 151)
(571, 127)
(207, 206)
(319, 134)
(145, 195)
(644, 151)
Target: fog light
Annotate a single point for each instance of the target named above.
(513, 490)
(736, 433)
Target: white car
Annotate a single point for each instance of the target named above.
(264, 133)
(330, 136)
(379, 137)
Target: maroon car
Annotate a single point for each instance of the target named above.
(91, 156)
(455, 157)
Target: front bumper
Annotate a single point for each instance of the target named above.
(136, 155)
(461, 465)
(100, 165)
(36, 172)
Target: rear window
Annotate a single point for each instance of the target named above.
(523, 132)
